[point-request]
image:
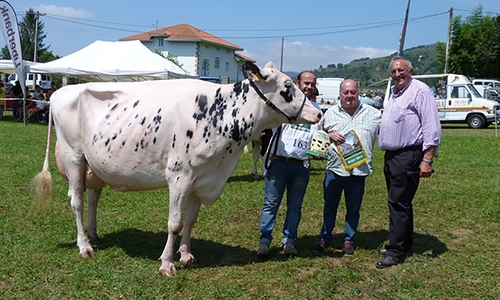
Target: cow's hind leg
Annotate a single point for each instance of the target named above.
(93, 201)
(193, 207)
(75, 174)
(256, 156)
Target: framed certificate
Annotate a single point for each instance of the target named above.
(351, 151)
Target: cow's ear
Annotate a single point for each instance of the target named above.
(250, 70)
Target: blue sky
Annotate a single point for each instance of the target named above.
(315, 32)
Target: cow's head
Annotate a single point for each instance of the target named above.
(280, 93)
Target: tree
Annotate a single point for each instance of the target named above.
(28, 30)
(475, 49)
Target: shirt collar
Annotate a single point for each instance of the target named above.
(393, 91)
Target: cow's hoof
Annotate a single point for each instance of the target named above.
(94, 239)
(170, 271)
(189, 262)
(87, 252)
(255, 176)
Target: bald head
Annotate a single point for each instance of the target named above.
(349, 96)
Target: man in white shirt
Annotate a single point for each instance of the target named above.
(364, 119)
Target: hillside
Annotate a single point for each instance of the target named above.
(372, 70)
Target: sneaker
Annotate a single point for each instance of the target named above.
(320, 247)
(289, 249)
(263, 250)
(348, 248)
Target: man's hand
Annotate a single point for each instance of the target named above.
(425, 169)
(336, 136)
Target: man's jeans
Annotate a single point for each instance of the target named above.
(280, 175)
(354, 188)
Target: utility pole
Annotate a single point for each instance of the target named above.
(38, 14)
(403, 31)
(448, 42)
(282, 47)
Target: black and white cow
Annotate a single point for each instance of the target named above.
(187, 134)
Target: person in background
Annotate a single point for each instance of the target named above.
(337, 121)
(289, 169)
(410, 133)
(368, 100)
(16, 92)
(3, 94)
(50, 91)
(379, 99)
(31, 105)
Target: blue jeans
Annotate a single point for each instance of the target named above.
(280, 175)
(354, 188)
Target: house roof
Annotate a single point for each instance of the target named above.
(182, 32)
(246, 58)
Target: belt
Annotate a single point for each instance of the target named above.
(288, 159)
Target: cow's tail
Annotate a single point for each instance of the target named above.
(42, 185)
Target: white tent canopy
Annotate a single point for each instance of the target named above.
(113, 61)
(7, 67)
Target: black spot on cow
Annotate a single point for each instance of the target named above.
(154, 140)
(287, 96)
(173, 142)
(157, 128)
(234, 113)
(114, 136)
(125, 108)
(107, 142)
(114, 107)
(94, 139)
(187, 148)
(136, 147)
(157, 119)
(189, 134)
(142, 121)
(136, 116)
(235, 131)
(202, 102)
(123, 143)
(136, 103)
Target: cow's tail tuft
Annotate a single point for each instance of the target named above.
(42, 185)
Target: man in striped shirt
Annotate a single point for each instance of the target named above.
(410, 134)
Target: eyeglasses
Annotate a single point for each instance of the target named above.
(400, 71)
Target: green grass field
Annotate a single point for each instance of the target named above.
(457, 235)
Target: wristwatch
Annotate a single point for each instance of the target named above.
(429, 161)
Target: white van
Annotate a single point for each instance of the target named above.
(42, 80)
(458, 101)
(495, 84)
(329, 91)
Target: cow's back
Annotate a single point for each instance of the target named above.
(132, 134)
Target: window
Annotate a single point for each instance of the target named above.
(204, 67)
(217, 63)
(459, 92)
(227, 66)
(160, 42)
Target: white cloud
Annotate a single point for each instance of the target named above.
(63, 11)
(299, 56)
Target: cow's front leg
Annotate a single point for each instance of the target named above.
(193, 208)
(93, 201)
(177, 204)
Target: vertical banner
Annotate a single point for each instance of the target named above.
(10, 30)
